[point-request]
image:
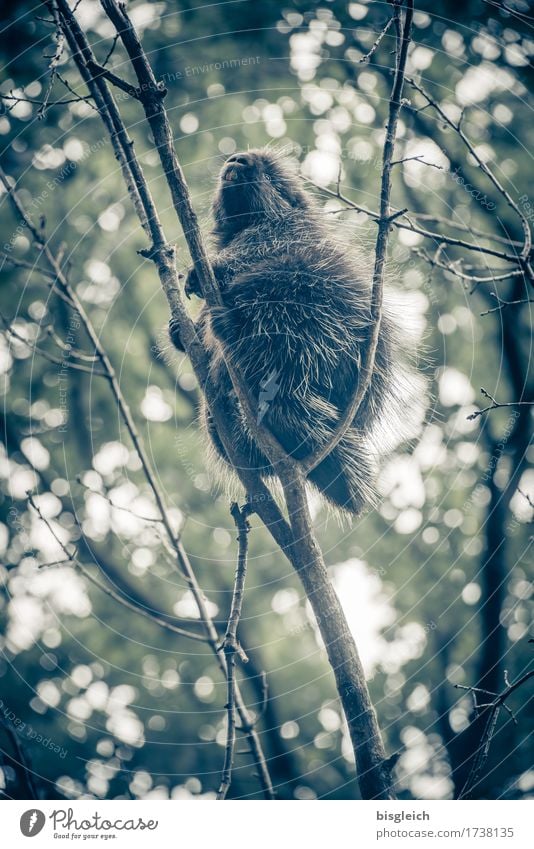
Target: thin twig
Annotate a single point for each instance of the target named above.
(13, 99)
(384, 225)
(418, 158)
(65, 363)
(527, 243)
(68, 349)
(528, 498)
(466, 228)
(54, 61)
(452, 268)
(78, 97)
(111, 593)
(502, 304)
(408, 225)
(495, 405)
(376, 44)
(30, 266)
(118, 506)
(230, 645)
(22, 760)
(492, 709)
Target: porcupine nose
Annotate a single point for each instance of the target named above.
(240, 159)
(235, 163)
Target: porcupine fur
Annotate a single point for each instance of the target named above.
(296, 316)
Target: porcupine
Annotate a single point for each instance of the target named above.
(296, 322)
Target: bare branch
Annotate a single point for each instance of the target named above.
(466, 228)
(376, 43)
(99, 71)
(181, 559)
(32, 346)
(13, 99)
(111, 593)
(527, 242)
(527, 497)
(30, 266)
(428, 234)
(68, 349)
(495, 405)
(111, 50)
(385, 220)
(491, 709)
(453, 268)
(78, 98)
(54, 61)
(502, 304)
(110, 501)
(419, 159)
(230, 645)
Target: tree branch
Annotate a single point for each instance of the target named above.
(230, 645)
(54, 62)
(181, 559)
(403, 29)
(495, 405)
(111, 593)
(304, 554)
(428, 234)
(491, 710)
(457, 127)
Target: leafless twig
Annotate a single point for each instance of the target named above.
(72, 557)
(54, 61)
(230, 645)
(495, 405)
(419, 159)
(502, 304)
(32, 346)
(385, 221)
(527, 497)
(118, 506)
(376, 43)
(69, 350)
(428, 234)
(30, 266)
(454, 268)
(110, 52)
(457, 127)
(20, 759)
(491, 710)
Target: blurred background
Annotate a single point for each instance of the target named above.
(436, 582)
